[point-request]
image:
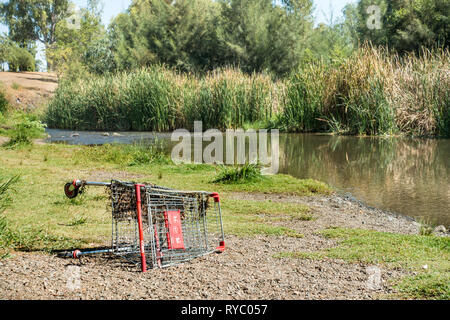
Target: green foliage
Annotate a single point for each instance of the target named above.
(3, 101)
(128, 155)
(442, 114)
(239, 174)
(182, 34)
(26, 128)
(405, 25)
(5, 186)
(304, 99)
(74, 50)
(19, 58)
(262, 37)
(158, 99)
(5, 201)
(99, 57)
(34, 20)
(370, 92)
(369, 113)
(201, 35)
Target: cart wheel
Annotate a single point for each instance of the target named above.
(76, 254)
(70, 190)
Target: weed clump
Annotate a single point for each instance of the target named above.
(239, 174)
(3, 102)
(5, 200)
(27, 127)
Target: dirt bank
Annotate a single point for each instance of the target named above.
(28, 90)
(247, 270)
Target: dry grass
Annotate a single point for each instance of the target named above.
(372, 92)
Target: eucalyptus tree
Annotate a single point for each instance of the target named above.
(263, 36)
(34, 20)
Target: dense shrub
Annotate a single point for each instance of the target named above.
(3, 101)
(21, 60)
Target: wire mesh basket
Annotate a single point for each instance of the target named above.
(158, 227)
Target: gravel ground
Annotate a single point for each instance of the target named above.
(246, 270)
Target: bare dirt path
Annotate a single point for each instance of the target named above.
(28, 90)
(248, 269)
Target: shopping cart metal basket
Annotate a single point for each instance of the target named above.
(158, 227)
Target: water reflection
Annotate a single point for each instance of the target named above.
(408, 176)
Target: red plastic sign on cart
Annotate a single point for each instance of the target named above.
(175, 230)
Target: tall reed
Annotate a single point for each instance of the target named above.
(371, 92)
(159, 99)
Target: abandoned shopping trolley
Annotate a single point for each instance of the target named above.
(158, 227)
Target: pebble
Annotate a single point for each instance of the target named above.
(440, 229)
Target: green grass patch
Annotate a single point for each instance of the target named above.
(247, 218)
(239, 174)
(3, 101)
(24, 238)
(152, 162)
(22, 129)
(126, 155)
(16, 86)
(411, 252)
(42, 218)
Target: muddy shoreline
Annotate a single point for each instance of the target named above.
(248, 269)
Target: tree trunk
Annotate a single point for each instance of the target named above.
(49, 64)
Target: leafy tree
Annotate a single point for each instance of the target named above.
(181, 34)
(68, 53)
(21, 60)
(34, 20)
(200, 35)
(18, 58)
(261, 36)
(406, 25)
(99, 56)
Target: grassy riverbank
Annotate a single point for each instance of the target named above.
(372, 92)
(52, 221)
(40, 218)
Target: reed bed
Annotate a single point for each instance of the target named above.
(371, 92)
(159, 99)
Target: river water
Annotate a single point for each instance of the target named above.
(408, 176)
